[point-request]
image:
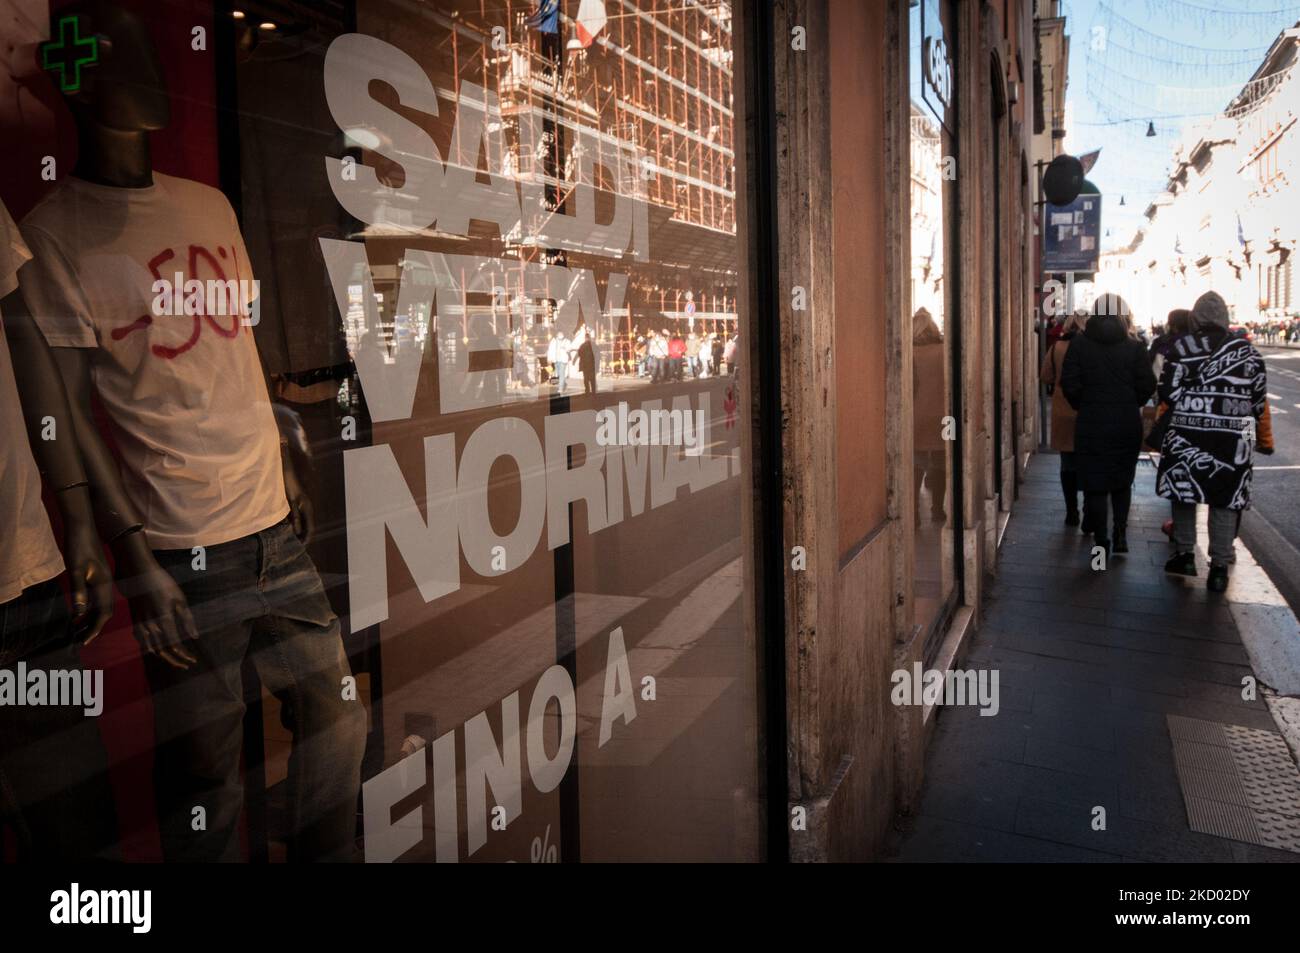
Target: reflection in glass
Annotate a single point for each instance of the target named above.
(933, 198)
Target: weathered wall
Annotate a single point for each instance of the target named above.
(843, 234)
(858, 239)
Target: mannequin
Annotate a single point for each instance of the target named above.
(207, 518)
(119, 104)
(53, 767)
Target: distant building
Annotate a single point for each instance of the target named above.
(1227, 218)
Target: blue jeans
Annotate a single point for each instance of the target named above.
(54, 788)
(258, 598)
(561, 374)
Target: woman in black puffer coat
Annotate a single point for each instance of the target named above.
(1107, 377)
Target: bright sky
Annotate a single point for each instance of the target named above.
(1160, 61)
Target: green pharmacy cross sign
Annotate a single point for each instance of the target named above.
(69, 54)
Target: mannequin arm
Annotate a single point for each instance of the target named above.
(295, 462)
(160, 614)
(51, 436)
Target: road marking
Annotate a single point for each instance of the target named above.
(1279, 466)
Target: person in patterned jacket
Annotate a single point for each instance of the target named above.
(1215, 385)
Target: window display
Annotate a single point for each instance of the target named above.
(408, 391)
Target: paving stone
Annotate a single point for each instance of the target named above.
(937, 840)
(1124, 836)
(1067, 787)
(1091, 664)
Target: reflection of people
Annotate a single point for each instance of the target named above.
(1106, 377)
(1215, 385)
(676, 356)
(658, 356)
(1063, 415)
(929, 407)
(557, 354)
(642, 354)
(207, 514)
(522, 359)
(53, 769)
(586, 352)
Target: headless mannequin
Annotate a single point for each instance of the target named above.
(296, 644)
(121, 101)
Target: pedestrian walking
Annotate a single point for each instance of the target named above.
(658, 356)
(1106, 376)
(586, 352)
(522, 360)
(557, 353)
(693, 354)
(676, 356)
(1215, 385)
(1178, 323)
(1063, 415)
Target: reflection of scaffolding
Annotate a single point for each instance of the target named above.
(927, 216)
(644, 113)
(653, 93)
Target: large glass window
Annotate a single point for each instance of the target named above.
(933, 274)
(486, 312)
(542, 520)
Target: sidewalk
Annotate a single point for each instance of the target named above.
(1091, 664)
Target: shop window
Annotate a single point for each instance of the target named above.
(934, 314)
(498, 304)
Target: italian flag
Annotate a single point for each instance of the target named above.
(591, 20)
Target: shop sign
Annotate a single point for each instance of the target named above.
(1071, 238)
(937, 68)
(433, 530)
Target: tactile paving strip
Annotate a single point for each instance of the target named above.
(1238, 783)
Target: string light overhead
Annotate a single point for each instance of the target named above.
(1176, 61)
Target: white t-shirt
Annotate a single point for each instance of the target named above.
(185, 392)
(28, 554)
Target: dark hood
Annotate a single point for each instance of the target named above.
(1105, 329)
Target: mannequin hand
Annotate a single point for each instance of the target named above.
(300, 510)
(90, 582)
(161, 615)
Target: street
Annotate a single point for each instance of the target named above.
(1272, 527)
